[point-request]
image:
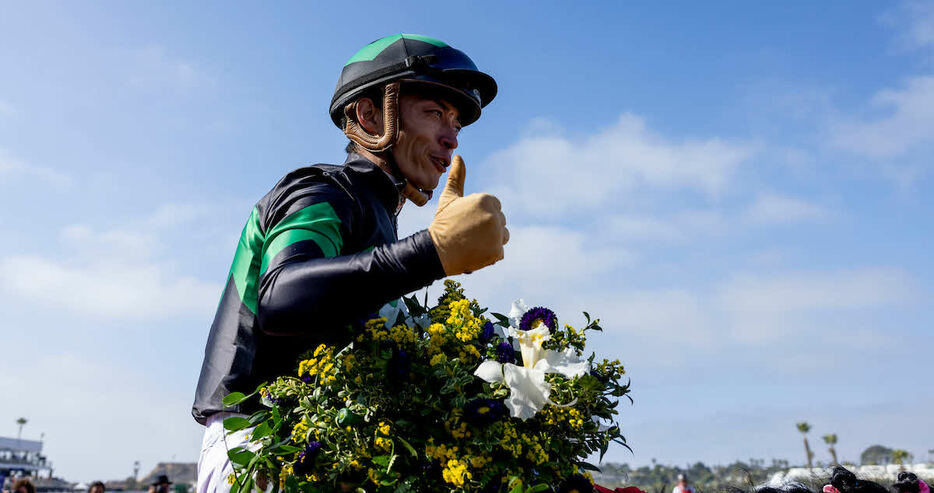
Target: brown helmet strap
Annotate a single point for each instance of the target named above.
(375, 143)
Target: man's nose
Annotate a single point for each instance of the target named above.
(449, 138)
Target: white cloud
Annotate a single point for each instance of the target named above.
(123, 273)
(174, 214)
(848, 289)
(907, 124)
(6, 109)
(678, 227)
(761, 309)
(109, 288)
(549, 175)
(691, 225)
(152, 68)
(88, 409)
(11, 168)
(413, 218)
(543, 262)
(780, 209)
(914, 21)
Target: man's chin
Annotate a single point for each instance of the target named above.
(426, 185)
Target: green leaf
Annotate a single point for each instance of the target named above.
(234, 398)
(261, 431)
(408, 447)
(381, 460)
(502, 319)
(537, 488)
(415, 308)
(247, 486)
(284, 450)
(240, 456)
(258, 417)
(236, 423)
(587, 466)
(515, 484)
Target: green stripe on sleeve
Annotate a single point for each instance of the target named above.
(317, 222)
(245, 268)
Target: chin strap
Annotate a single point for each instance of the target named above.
(381, 144)
(418, 197)
(374, 143)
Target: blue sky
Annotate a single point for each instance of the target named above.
(739, 190)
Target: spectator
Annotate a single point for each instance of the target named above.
(96, 487)
(160, 485)
(23, 486)
(682, 486)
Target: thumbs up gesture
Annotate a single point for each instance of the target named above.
(468, 232)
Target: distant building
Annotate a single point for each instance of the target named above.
(22, 458)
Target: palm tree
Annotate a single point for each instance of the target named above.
(900, 456)
(21, 422)
(831, 440)
(804, 428)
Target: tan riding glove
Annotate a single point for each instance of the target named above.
(468, 232)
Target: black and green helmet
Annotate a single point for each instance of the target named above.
(414, 58)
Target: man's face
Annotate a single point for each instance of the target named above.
(427, 138)
(96, 489)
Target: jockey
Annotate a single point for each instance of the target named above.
(320, 251)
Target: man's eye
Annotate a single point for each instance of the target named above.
(436, 112)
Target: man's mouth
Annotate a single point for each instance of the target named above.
(441, 164)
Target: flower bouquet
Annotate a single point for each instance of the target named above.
(441, 398)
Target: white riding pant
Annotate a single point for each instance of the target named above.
(214, 466)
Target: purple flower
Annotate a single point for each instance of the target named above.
(432, 468)
(538, 314)
(576, 483)
(604, 379)
(488, 332)
(484, 411)
(399, 366)
(505, 353)
(306, 458)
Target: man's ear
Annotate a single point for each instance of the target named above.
(369, 116)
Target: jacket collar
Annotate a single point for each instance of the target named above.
(386, 187)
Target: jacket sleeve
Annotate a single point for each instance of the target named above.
(306, 285)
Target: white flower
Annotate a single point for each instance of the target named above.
(516, 312)
(528, 390)
(392, 310)
(530, 343)
(423, 320)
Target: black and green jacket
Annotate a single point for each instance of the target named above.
(319, 252)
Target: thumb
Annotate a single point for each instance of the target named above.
(455, 186)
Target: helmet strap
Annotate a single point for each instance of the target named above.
(376, 143)
(381, 144)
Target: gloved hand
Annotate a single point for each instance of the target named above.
(468, 232)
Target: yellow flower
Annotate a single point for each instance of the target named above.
(300, 431)
(456, 473)
(510, 441)
(321, 364)
(384, 428)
